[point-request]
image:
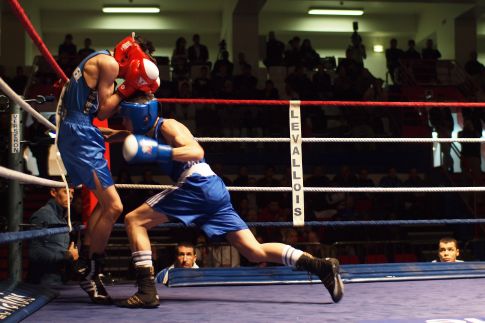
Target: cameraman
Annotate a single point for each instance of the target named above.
(357, 49)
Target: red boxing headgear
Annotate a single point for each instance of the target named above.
(126, 51)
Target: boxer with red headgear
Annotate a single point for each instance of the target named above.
(91, 93)
(136, 67)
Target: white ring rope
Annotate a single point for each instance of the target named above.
(28, 179)
(24, 105)
(342, 140)
(322, 189)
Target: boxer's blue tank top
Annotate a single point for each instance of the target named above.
(177, 167)
(79, 97)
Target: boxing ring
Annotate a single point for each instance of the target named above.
(411, 292)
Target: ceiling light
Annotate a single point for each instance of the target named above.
(336, 12)
(378, 48)
(131, 9)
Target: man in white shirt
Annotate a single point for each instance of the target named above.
(185, 257)
(448, 250)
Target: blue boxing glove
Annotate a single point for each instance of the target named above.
(142, 149)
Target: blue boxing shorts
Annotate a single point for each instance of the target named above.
(200, 197)
(82, 151)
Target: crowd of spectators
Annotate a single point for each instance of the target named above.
(309, 78)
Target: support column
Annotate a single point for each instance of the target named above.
(246, 31)
(15, 193)
(465, 36)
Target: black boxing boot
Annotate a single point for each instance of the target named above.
(147, 296)
(91, 280)
(328, 270)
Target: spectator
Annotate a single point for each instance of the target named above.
(180, 59)
(52, 257)
(309, 57)
(245, 83)
(67, 47)
(429, 52)
(299, 82)
(202, 85)
(198, 53)
(442, 122)
(293, 54)
(4, 76)
(411, 52)
(357, 49)
(185, 257)
(219, 170)
(223, 60)
(147, 179)
(393, 57)
(448, 250)
(86, 50)
(19, 81)
(274, 51)
(322, 83)
(473, 66)
(471, 152)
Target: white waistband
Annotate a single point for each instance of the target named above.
(202, 169)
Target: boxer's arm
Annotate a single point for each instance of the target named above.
(114, 135)
(108, 99)
(186, 148)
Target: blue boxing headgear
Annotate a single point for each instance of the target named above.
(142, 115)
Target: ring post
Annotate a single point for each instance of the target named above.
(15, 193)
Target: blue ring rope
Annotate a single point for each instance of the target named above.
(8, 237)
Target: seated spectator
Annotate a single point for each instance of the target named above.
(245, 83)
(185, 257)
(473, 66)
(202, 85)
(471, 156)
(448, 250)
(223, 60)
(19, 81)
(322, 83)
(51, 258)
(299, 82)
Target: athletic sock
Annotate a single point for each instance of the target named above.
(290, 256)
(142, 258)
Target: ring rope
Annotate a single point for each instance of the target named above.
(28, 179)
(24, 105)
(328, 103)
(288, 224)
(8, 237)
(323, 189)
(343, 140)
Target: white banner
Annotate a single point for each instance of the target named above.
(296, 164)
(15, 133)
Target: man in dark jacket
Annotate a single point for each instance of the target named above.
(51, 256)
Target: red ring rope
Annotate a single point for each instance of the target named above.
(329, 103)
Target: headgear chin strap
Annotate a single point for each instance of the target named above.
(142, 115)
(126, 51)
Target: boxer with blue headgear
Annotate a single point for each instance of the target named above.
(142, 115)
